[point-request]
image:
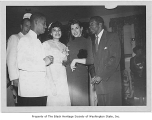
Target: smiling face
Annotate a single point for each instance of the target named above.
(76, 30)
(95, 27)
(56, 33)
(25, 27)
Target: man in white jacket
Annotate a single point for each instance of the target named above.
(32, 64)
(12, 52)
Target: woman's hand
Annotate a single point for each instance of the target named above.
(72, 65)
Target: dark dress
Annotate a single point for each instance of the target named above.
(138, 72)
(78, 80)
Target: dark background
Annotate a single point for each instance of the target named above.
(14, 15)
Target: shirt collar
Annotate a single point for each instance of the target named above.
(100, 34)
(21, 34)
(32, 34)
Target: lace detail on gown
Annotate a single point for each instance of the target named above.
(58, 91)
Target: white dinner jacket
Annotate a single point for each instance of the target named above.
(32, 69)
(11, 55)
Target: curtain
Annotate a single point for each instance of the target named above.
(117, 25)
(139, 22)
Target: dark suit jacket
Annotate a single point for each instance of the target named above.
(106, 62)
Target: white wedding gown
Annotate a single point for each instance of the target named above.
(58, 91)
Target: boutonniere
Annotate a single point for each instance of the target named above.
(105, 48)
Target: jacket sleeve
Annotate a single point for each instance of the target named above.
(11, 57)
(112, 62)
(89, 59)
(132, 66)
(92, 70)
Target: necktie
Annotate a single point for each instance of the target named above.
(96, 43)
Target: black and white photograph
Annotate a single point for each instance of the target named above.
(73, 56)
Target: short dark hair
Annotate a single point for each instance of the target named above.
(36, 16)
(135, 49)
(72, 22)
(55, 24)
(23, 20)
(98, 19)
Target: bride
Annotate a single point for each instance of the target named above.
(58, 92)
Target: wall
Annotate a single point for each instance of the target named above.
(108, 17)
(13, 29)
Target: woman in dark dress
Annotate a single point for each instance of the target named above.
(138, 72)
(80, 55)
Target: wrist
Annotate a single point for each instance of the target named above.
(75, 60)
(15, 79)
(47, 64)
(82, 61)
(93, 77)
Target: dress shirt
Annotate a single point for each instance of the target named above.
(99, 36)
(32, 82)
(11, 57)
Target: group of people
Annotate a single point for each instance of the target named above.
(54, 74)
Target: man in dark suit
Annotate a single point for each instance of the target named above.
(106, 76)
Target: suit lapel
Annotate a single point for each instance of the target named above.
(103, 41)
(102, 44)
(100, 53)
(93, 46)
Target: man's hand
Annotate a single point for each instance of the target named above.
(96, 80)
(48, 60)
(15, 82)
(93, 80)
